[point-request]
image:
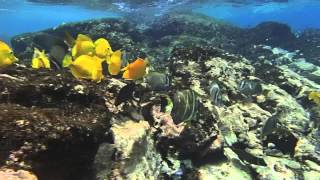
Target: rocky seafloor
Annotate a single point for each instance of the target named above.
(59, 128)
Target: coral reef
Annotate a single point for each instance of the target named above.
(59, 127)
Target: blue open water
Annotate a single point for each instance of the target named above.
(19, 16)
(299, 14)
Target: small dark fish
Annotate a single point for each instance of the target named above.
(124, 58)
(270, 126)
(215, 94)
(54, 45)
(250, 87)
(125, 94)
(69, 40)
(157, 81)
(57, 52)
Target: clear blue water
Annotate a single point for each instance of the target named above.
(21, 17)
(298, 14)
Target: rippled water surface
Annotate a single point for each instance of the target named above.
(299, 14)
(20, 16)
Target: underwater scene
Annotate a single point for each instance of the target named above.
(160, 89)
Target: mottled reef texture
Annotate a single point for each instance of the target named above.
(61, 128)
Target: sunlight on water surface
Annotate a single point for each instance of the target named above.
(21, 17)
(299, 14)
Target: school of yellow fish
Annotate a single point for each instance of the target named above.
(84, 60)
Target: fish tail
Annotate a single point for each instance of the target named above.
(126, 75)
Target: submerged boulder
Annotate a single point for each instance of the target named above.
(132, 155)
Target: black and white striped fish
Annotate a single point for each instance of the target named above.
(215, 94)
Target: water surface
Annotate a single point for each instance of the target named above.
(19, 16)
(298, 14)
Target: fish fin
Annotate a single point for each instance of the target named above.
(74, 50)
(4, 46)
(69, 40)
(115, 63)
(108, 59)
(113, 69)
(46, 63)
(82, 37)
(35, 63)
(74, 72)
(126, 68)
(77, 72)
(36, 53)
(43, 60)
(146, 61)
(57, 52)
(126, 75)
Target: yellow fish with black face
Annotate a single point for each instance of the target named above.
(40, 59)
(87, 67)
(6, 55)
(83, 46)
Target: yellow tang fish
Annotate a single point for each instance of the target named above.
(135, 70)
(40, 60)
(315, 97)
(114, 66)
(67, 60)
(6, 55)
(87, 67)
(103, 48)
(83, 46)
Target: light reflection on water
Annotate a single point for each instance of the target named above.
(21, 17)
(299, 14)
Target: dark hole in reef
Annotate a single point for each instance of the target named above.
(289, 89)
(164, 145)
(49, 97)
(286, 143)
(147, 114)
(27, 96)
(239, 149)
(66, 161)
(85, 100)
(269, 106)
(213, 157)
